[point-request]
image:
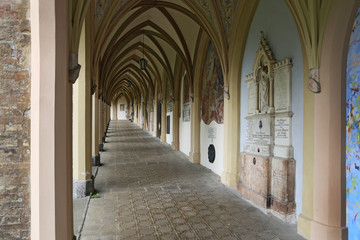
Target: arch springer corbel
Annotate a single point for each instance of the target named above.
(74, 67)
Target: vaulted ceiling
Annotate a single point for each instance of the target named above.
(164, 32)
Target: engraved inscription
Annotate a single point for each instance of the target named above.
(281, 92)
(282, 126)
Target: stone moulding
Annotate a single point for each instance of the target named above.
(250, 77)
(283, 63)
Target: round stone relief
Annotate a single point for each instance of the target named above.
(211, 153)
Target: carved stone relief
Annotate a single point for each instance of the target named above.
(267, 167)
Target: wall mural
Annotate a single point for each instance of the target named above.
(353, 133)
(213, 89)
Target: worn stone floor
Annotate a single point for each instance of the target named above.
(149, 191)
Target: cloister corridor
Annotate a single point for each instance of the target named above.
(149, 191)
(179, 119)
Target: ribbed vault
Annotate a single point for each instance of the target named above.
(164, 33)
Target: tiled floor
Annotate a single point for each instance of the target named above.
(149, 191)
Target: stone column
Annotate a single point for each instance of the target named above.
(83, 183)
(155, 113)
(115, 111)
(101, 132)
(51, 116)
(135, 113)
(141, 115)
(106, 117)
(232, 106)
(176, 112)
(163, 120)
(329, 206)
(109, 117)
(195, 130)
(95, 130)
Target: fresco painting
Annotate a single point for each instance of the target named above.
(353, 133)
(213, 89)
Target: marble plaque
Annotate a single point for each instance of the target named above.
(186, 107)
(212, 132)
(282, 131)
(282, 86)
(169, 106)
(252, 94)
(261, 130)
(249, 130)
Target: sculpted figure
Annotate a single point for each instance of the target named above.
(263, 91)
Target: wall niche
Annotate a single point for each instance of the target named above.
(266, 166)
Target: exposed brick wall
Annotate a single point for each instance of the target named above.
(14, 119)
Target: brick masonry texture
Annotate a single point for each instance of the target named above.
(14, 119)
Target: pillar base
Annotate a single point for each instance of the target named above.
(96, 160)
(83, 188)
(101, 147)
(229, 179)
(321, 231)
(195, 157)
(304, 226)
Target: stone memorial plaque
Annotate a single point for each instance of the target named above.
(282, 86)
(252, 94)
(282, 131)
(261, 130)
(186, 107)
(212, 132)
(249, 130)
(267, 159)
(169, 106)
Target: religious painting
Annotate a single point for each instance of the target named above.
(122, 107)
(353, 133)
(212, 89)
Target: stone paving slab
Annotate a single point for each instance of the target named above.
(149, 191)
(79, 206)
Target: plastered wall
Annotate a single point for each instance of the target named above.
(218, 142)
(121, 115)
(184, 127)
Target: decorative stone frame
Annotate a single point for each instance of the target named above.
(267, 167)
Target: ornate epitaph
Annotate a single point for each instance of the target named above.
(267, 167)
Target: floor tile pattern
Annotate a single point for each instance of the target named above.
(149, 191)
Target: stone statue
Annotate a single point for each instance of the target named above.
(263, 91)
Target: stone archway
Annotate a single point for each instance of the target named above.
(329, 214)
